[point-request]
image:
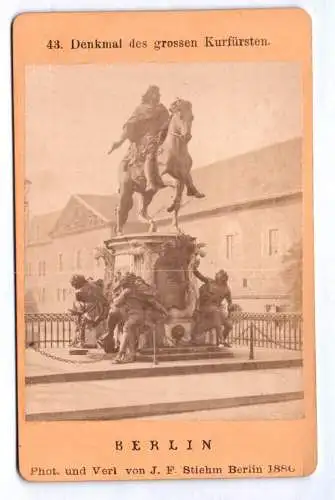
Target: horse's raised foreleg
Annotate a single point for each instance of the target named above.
(191, 188)
(177, 204)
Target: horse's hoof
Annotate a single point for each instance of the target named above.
(177, 229)
(195, 193)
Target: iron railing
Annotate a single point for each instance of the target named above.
(49, 329)
(276, 331)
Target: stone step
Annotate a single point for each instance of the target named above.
(185, 356)
(162, 409)
(182, 349)
(129, 398)
(137, 370)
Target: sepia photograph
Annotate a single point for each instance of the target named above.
(163, 241)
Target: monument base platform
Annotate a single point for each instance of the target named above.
(185, 353)
(165, 261)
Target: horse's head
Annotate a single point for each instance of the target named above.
(182, 118)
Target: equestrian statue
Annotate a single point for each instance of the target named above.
(157, 156)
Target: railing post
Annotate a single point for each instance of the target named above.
(251, 342)
(154, 360)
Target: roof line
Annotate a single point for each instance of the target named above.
(45, 214)
(248, 153)
(240, 205)
(88, 206)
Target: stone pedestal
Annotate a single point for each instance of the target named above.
(166, 261)
(137, 253)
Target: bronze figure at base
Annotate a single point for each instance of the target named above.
(156, 301)
(136, 307)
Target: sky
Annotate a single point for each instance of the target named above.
(74, 113)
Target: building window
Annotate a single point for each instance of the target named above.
(273, 242)
(43, 295)
(60, 262)
(229, 239)
(42, 268)
(28, 269)
(245, 283)
(78, 260)
(62, 294)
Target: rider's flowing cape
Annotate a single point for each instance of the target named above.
(145, 118)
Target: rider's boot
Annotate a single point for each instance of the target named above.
(171, 208)
(154, 182)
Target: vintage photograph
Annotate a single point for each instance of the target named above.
(163, 241)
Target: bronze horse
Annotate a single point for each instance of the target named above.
(174, 165)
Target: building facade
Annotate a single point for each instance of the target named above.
(250, 220)
(64, 243)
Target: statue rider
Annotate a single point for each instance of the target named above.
(146, 130)
(210, 313)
